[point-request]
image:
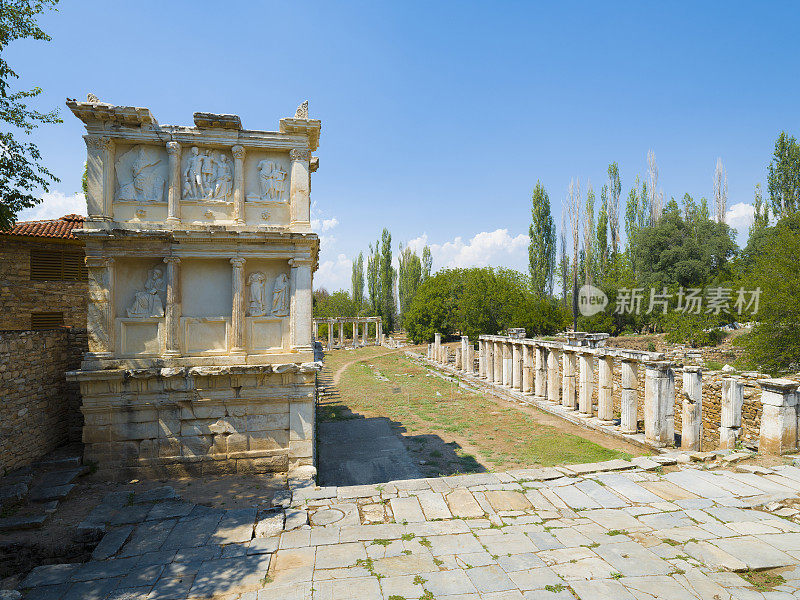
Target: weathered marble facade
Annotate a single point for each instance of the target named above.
(200, 258)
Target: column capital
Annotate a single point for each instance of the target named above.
(238, 261)
(98, 261)
(173, 147)
(105, 143)
(300, 262)
(238, 152)
(300, 154)
(172, 259)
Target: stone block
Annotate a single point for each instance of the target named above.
(197, 445)
(268, 440)
(237, 442)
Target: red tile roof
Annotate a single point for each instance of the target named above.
(51, 228)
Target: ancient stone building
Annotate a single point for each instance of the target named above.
(200, 258)
(42, 275)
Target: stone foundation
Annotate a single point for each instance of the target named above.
(195, 421)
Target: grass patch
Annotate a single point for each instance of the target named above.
(380, 542)
(763, 581)
(433, 408)
(617, 532)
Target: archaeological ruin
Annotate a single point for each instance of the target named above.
(201, 258)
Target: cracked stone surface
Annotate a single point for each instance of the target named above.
(614, 530)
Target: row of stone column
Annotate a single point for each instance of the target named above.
(564, 375)
(463, 355)
(362, 324)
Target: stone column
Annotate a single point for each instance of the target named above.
(237, 311)
(299, 188)
(95, 177)
(238, 184)
(516, 362)
(355, 334)
(778, 416)
(471, 359)
(366, 329)
(437, 345)
(459, 358)
(498, 362)
(481, 359)
(507, 364)
(330, 334)
(528, 352)
(553, 382)
(568, 399)
(379, 333)
(692, 408)
(586, 383)
(341, 334)
(174, 190)
(540, 373)
(100, 311)
(605, 388)
(731, 414)
(300, 305)
(465, 354)
(172, 311)
(489, 360)
(316, 330)
(109, 184)
(629, 418)
(659, 403)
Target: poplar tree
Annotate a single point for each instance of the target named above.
(602, 229)
(427, 263)
(357, 280)
(588, 237)
(614, 190)
(783, 179)
(386, 277)
(373, 282)
(409, 277)
(542, 246)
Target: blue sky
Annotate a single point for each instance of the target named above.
(439, 117)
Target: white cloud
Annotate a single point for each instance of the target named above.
(53, 206)
(740, 217)
(334, 274)
(495, 248)
(322, 225)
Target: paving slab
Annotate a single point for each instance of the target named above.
(490, 579)
(169, 509)
(405, 564)
(601, 589)
(229, 575)
(668, 490)
(598, 467)
(698, 485)
(112, 542)
(433, 505)
(407, 510)
(46, 493)
(631, 559)
(754, 553)
(600, 494)
(575, 498)
(50, 575)
(627, 488)
(148, 537)
(507, 500)
(463, 505)
(22, 522)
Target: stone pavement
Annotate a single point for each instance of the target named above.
(615, 530)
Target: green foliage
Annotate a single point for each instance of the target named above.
(694, 330)
(373, 282)
(542, 247)
(357, 279)
(614, 190)
(20, 170)
(774, 342)
(427, 264)
(337, 304)
(409, 277)
(677, 251)
(480, 301)
(783, 178)
(602, 231)
(386, 277)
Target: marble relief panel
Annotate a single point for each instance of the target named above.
(206, 175)
(266, 177)
(141, 174)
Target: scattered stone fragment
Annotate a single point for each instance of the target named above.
(164, 492)
(270, 524)
(23, 522)
(282, 498)
(295, 518)
(44, 494)
(112, 542)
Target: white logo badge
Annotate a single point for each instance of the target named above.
(591, 300)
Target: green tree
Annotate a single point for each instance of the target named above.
(409, 277)
(774, 342)
(614, 190)
(783, 178)
(386, 276)
(373, 280)
(602, 231)
(427, 263)
(357, 279)
(21, 172)
(589, 239)
(542, 247)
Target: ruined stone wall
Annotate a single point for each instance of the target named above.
(19, 296)
(39, 409)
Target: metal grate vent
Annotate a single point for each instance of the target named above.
(57, 265)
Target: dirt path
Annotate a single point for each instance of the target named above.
(379, 352)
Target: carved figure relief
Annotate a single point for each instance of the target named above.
(140, 175)
(208, 176)
(280, 296)
(271, 180)
(257, 306)
(147, 303)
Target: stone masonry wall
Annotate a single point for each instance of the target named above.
(39, 409)
(19, 296)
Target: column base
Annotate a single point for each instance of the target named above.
(172, 354)
(173, 220)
